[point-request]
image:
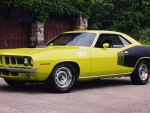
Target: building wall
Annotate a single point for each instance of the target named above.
(81, 23)
(43, 32)
(16, 34)
(13, 33)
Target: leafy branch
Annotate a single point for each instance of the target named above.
(41, 9)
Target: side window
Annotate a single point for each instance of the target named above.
(114, 41)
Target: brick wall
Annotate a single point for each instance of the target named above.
(81, 23)
(37, 33)
(37, 30)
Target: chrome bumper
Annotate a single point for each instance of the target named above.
(19, 70)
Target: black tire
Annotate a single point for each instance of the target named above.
(14, 83)
(62, 78)
(140, 76)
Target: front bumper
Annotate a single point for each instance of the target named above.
(19, 70)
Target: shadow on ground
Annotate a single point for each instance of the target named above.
(41, 88)
(102, 83)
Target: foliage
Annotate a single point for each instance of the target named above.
(127, 16)
(42, 8)
(145, 41)
(145, 36)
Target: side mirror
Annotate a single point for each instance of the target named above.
(105, 45)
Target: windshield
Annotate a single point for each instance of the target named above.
(73, 39)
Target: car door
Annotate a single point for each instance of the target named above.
(104, 62)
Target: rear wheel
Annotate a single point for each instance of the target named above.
(62, 78)
(141, 73)
(15, 83)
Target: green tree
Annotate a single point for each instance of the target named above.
(41, 9)
(127, 16)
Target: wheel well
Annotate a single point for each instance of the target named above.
(75, 65)
(144, 59)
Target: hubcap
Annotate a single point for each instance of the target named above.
(63, 77)
(143, 72)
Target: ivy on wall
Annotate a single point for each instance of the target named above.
(40, 9)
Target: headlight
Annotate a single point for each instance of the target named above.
(31, 61)
(26, 61)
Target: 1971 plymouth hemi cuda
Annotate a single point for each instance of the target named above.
(77, 55)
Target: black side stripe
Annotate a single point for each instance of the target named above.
(134, 54)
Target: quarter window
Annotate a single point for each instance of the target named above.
(125, 42)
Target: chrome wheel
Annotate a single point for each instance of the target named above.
(143, 72)
(63, 77)
(140, 75)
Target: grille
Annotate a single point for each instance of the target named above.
(19, 60)
(14, 61)
(7, 60)
(11, 60)
(6, 73)
(0, 60)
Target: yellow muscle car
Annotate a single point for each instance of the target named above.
(77, 55)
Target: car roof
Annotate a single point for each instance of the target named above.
(93, 31)
(132, 40)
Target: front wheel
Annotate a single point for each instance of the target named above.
(141, 74)
(15, 83)
(62, 78)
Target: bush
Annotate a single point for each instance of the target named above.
(145, 36)
(145, 41)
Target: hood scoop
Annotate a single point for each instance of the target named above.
(36, 46)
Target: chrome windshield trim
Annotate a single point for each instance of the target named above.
(19, 70)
